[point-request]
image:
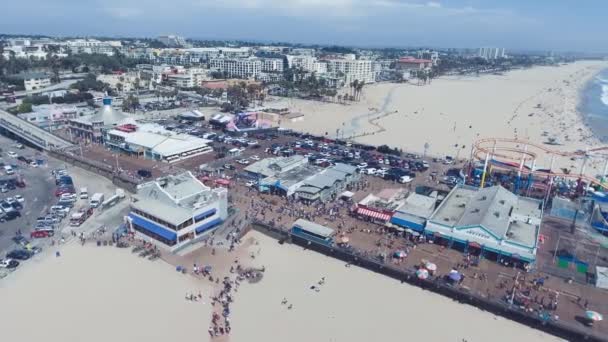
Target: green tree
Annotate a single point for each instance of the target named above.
(130, 103)
(24, 107)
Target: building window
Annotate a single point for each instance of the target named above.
(153, 235)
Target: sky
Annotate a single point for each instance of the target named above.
(561, 25)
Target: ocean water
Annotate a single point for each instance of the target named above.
(594, 104)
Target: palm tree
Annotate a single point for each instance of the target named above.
(355, 86)
(339, 98)
(359, 89)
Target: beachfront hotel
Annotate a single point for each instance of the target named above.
(175, 211)
(491, 221)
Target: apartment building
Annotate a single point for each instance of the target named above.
(241, 68)
(352, 69)
(192, 77)
(272, 65)
(106, 47)
(491, 53)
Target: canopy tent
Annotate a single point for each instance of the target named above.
(347, 195)
(373, 214)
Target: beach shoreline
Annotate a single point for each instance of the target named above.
(451, 113)
(586, 88)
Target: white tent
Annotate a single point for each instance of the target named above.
(601, 277)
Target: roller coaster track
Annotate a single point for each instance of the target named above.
(530, 151)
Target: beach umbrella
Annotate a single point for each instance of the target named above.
(422, 273)
(430, 266)
(399, 254)
(593, 316)
(344, 239)
(454, 276)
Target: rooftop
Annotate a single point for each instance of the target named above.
(502, 213)
(314, 228)
(160, 140)
(173, 198)
(418, 205)
(274, 166)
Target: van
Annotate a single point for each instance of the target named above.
(84, 193)
(8, 170)
(96, 199)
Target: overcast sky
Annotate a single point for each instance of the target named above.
(518, 24)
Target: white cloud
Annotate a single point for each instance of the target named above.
(433, 4)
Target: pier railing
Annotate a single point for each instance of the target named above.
(497, 306)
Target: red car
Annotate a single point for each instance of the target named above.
(61, 191)
(41, 234)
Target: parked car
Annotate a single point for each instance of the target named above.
(19, 254)
(68, 197)
(12, 154)
(19, 198)
(6, 207)
(38, 234)
(9, 263)
(228, 167)
(20, 240)
(144, 173)
(11, 215)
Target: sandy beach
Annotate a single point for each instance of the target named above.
(455, 111)
(104, 293)
(101, 294)
(353, 305)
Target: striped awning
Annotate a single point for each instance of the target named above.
(373, 214)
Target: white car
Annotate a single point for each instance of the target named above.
(371, 171)
(243, 161)
(8, 263)
(256, 158)
(251, 183)
(68, 197)
(405, 179)
(362, 165)
(12, 154)
(19, 198)
(33, 164)
(10, 200)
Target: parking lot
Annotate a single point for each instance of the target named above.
(39, 195)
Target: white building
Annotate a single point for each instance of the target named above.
(192, 77)
(272, 64)
(241, 68)
(174, 211)
(50, 116)
(491, 53)
(352, 69)
(151, 141)
(172, 40)
(492, 220)
(25, 51)
(34, 80)
(106, 47)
